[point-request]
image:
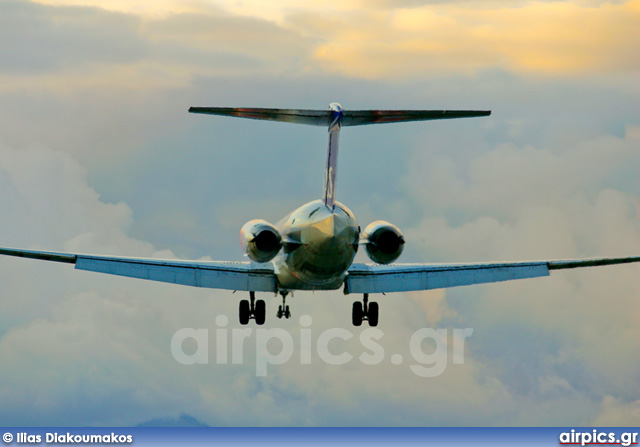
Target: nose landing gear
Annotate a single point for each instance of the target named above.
(283, 309)
(252, 310)
(365, 311)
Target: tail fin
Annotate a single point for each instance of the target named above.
(349, 117)
(331, 166)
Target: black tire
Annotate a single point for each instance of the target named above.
(357, 314)
(244, 312)
(373, 314)
(261, 312)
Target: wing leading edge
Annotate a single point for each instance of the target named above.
(368, 278)
(244, 276)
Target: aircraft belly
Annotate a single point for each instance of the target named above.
(292, 276)
(317, 270)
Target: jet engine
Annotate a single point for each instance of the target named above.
(260, 240)
(384, 242)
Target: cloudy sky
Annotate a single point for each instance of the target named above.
(99, 155)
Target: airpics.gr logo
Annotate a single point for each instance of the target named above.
(596, 437)
(428, 347)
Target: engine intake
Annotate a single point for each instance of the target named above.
(384, 242)
(260, 240)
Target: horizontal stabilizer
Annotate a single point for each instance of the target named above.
(362, 117)
(348, 117)
(312, 117)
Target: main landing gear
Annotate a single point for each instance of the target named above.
(365, 311)
(283, 309)
(254, 309)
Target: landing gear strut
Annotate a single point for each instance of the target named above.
(283, 309)
(254, 309)
(365, 311)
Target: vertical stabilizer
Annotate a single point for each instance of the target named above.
(331, 168)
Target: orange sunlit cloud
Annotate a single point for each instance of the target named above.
(379, 40)
(553, 38)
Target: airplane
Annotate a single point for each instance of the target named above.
(313, 248)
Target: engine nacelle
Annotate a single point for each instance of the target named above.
(260, 240)
(384, 242)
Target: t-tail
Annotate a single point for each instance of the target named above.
(334, 119)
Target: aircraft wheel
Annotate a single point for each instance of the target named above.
(373, 314)
(260, 312)
(280, 312)
(245, 312)
(287, 312)
(357, 313)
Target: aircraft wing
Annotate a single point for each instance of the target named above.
(247, 276)
(374, 278)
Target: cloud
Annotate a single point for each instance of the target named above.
(97, 344)
(184, 420)
(99, 155)
(547, 38)
(66, 38)
(565, 332)
(527, 177)
(616, 413)
(96, 48)
(148, 8)
(104, 342)
(133, 48)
